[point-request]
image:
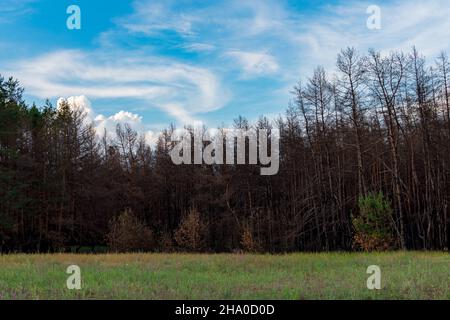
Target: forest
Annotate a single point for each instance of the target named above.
(364, 154)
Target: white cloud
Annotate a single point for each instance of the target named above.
(255, 63)
(101, 122)
(80, 104)
(10, 10)
(151, 17)
(264, 16)
(199, 47)
(318, 39)
(159, 82)
(263, 38)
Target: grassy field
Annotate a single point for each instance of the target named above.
(412, 275)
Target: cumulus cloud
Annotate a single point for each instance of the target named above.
(80, 104)
(158, 82)
(102, 123)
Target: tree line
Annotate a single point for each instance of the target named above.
(370, 139)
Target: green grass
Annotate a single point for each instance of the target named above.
(405, 275)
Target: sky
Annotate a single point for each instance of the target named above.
(151, 63)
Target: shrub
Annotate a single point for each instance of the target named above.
(165, 243)
(128, 234)
(191, 234)
(374, 228)
(248, 241)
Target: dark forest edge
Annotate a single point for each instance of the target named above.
(363, 166)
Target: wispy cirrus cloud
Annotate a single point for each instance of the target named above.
(403, 24)
(184, 57)
(10, 10)
(179, 89)
(254, 63)
(152, 17)
(198, 47)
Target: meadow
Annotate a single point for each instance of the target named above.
(405, 275)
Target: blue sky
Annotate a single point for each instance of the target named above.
(152, 63)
